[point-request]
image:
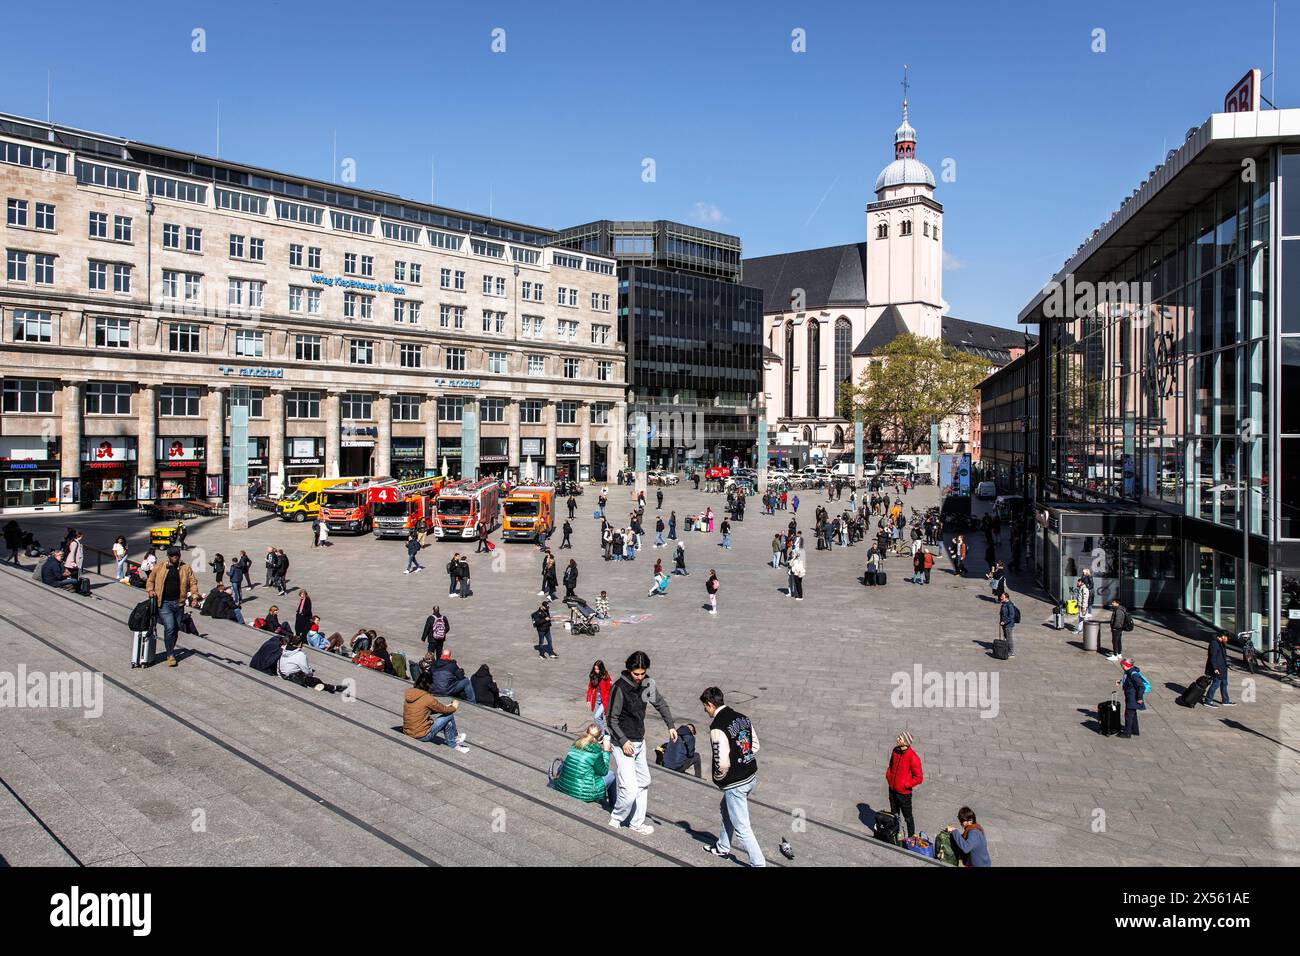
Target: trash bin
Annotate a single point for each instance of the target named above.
(1092, 635)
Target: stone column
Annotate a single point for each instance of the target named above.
(584, 443)
(147, 432)
(384, 441)
(332, 426)
(216, 413)
(512, 418)
(70, 438)
(430, 412)
(275, 444)
(552, 412)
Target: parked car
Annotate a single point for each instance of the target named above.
(661, 477)
(714, 472)
(986, 491)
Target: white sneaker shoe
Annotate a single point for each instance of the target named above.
(461, 749)
(460, 739)
(644, 829)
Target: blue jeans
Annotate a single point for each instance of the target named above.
(544, 645)
(776, 559)
(462, 687)
(121, 566)
(1221, 682)
(735, 822)
(598, 717)
(726, 540)
(237, 593)
(659, 539)
(445, 724)
(170, 613)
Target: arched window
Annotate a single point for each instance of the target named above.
(814, 369)
(839, 437)
(925, 229)
(905, 227)
(807, 434)
(882, 230)
(789, 369)
(843, 351)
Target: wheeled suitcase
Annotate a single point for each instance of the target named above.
(882, 578)
(1108, 715)
(1001, 649)
(143, 645)
(1196, 693)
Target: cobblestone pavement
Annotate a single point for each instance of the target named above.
(823, 680)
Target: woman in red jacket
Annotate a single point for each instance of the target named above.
(903, 776)
(598, 688)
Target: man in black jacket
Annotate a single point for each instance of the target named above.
(541, 619)
(436, 628)
(1216, 668)
(448, 680)
(735, 772)
(626, 721)
(1119, 623)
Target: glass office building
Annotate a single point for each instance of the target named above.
(1169, 440)
(693, 335)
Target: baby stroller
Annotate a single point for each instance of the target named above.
(582, 619)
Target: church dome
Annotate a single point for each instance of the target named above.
(905, 172)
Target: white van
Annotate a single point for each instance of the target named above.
(986, 491)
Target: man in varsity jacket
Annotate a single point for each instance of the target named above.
(735, 771)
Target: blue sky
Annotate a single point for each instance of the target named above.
(747, 136)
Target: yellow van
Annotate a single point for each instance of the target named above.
(304, 502)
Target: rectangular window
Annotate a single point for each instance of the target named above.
(107, 398)
(193, 239)
(122, 228)
(121, 277)
(526, 290)
(193, 287)
(406, 408)
(346, 222)
(444, 316)
(313, 301)
(411, 355)
(112, 333)
(295, 298)
(368, 266)
(97, 275)
(459, 284)
(537, 292)
(236, 246)
(16, 266)
(497, 363)
(526, 256)
(98, 225)
(570, 368)
(302, 404)
(171, 236)
(399, 270)
(45, 216)
(530, 412)
(170, 284)
(573, 298)
(16, 212)
(487, 285)
(566, 413)
(313, 257)
(175, 189)
(256, 249)
(28, 396)
(240, 202)
(406, 310)
(599, 334)
(600, 414)
(361, 351)
(567, 328)
(568, 261)
(444, 278)
(33, 157)
(600, 301)
(605, 371)
(253, 399)
(250, 343)
(451, 408)
(30, 325)
(401, 233)
(458, 316)
(455, 360)
(178, 401)
(296, 212)
(356, 406)
(501, 286)
(295, 254)
(536, 365)
(307, 348)
(444, 240)
(45, 269)
(538, 326)
(350, 263)
(415, 273)
(493, 250)
(93, 174)
(183, 337)
(492, 409)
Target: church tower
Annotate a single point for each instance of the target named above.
(905, 241)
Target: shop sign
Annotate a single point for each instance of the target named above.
(311, 460)
(567, 446)
(343, 282)
(530, 447)
(1244, 95)
(457, 383)
(252, 372)
(181, 451)
(106, 452)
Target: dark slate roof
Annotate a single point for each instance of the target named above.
(990, 342)
(770, 356)
(884, 330)
(836, 275)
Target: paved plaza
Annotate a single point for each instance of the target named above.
(824, 680)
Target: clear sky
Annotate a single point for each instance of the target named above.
(747, 136)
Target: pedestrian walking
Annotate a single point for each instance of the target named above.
(315, 531)
(542, 624)
(672, 526)
(659, 532)
(170, 584)
(797, 572)
(713, 586)
(599, 685)
(412, 552)
(903, 776)
(1008, 618)
(659, 499)
(238, 576)
(631, 694)
(1134, 686)
(735, 772)
(566, 531)
(436, 629)
(726, 533)
(1216, 668)
(571, 580)
(679, 559)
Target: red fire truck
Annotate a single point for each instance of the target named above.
(348, 507)
(406, 505)
(459, 510)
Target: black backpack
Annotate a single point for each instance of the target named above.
(1016, 614)
(142, 616)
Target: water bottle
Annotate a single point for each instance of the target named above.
(509, 689)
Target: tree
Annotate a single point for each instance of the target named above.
(912, 382)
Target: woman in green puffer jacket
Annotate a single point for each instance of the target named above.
(585, 773)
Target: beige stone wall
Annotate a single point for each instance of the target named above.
(72, 355)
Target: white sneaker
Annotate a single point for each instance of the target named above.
(713, 612)
(616, 824)
(460, 749)
(460, 739)
(407, 571)
(644, 829)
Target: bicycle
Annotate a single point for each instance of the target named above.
(1283, 657)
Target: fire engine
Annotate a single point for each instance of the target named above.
(458, 511)
(348, 507)
(406, 505)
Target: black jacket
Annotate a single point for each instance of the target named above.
(444, 674)
(627, 704)
(485, 688)
(267, 658)
(427, 634)
(1118, 618)
(1216, 659)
